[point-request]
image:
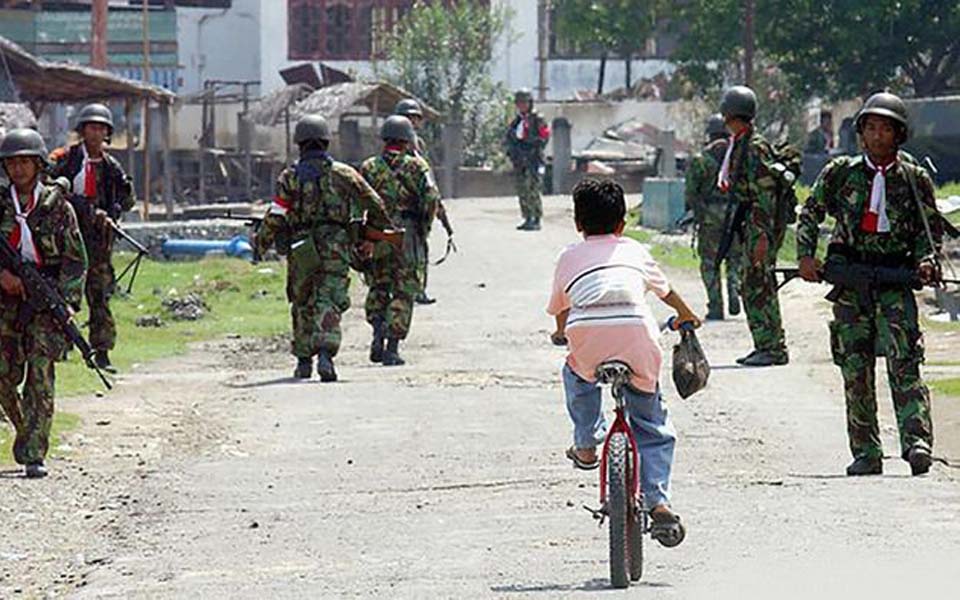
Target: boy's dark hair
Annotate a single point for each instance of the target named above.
(598, 206)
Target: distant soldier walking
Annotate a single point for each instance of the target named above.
(749, 173)
(526, 138)
(405, 183)
(311, 222)
(886, 217)
(100, 193)
(37, 221)
(411, 109)
(710, 206)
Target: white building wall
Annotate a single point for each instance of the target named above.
(220, 43)
(515, 55)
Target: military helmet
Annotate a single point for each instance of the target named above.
(95, 113)
(885, 104)
(311, 128)
(408, 107)
(739, 101)
(523, 94)
(23, 142)
(398, 127)
(716, 126)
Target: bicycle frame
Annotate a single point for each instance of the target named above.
(620, 425)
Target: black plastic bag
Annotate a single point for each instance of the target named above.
(691, 370)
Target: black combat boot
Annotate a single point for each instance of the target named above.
(534, 224)
(376, 345)
(920, 459)
(325, 368)
(35, 470)
(391, 356)
(765, 358)
(102, 359)
(733, 303)
(714, 313)
(423, 298)
(525, 226)
(865, 465)
(304, 368)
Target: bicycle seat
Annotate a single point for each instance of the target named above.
(614, 371)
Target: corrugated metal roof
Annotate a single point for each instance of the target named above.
(333, 101)
(38, 80)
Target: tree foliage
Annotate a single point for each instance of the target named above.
(612, 27)
(442, 53)
(831, 48)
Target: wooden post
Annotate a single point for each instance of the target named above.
(165, 109)
(147, 155)
(98, 34)
(131, 146)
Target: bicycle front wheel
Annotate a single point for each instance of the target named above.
(619, 509)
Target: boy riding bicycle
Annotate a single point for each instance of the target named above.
(598, 301)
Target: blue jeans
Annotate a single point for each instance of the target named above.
(649, 420)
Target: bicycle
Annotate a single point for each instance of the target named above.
(621, 498)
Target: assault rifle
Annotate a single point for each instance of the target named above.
(860, 277)
(254, 223)
(43, 296)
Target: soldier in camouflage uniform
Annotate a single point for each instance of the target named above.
(525, 140)
(709, 208)
(876, 199)
(37, 219)
(746, 173)
(411, 196)
(311, 222)
(100, 192)
(410, 109)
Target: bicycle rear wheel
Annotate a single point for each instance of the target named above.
(619, 509)
(635, 526)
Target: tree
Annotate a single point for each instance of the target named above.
(442, 52)
(619, 27)
(831, 48)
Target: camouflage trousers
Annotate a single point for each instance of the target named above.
(708, 245)
(316, 317)
(758, 290)
(527, 182)
(27, 357)
(393, 284)
(888, 323)
(98, 291)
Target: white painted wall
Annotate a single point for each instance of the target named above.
(220, 43)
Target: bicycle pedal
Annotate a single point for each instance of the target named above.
(599, 514)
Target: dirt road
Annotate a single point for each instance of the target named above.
(215, 476)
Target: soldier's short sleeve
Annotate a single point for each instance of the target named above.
(275, 220)
(73, 257)
(815, 209)
(366, 198)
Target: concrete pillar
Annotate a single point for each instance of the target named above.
(562, 154)
(351, 142)
(452, 159)
(167, 159)
(668, 154)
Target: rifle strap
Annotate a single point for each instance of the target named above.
(915, 189)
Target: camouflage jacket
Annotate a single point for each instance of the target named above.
(320, 197)
(701, 194)
(842, 191)
(53, 223)
(527, 152)
(753, 183)
(406, 185)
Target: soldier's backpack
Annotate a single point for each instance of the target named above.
(786, 166)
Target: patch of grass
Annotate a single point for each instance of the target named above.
(62, 423)
(949, 189)
(244, 299)
(940, 325)
(946, 387)
(677, 255)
